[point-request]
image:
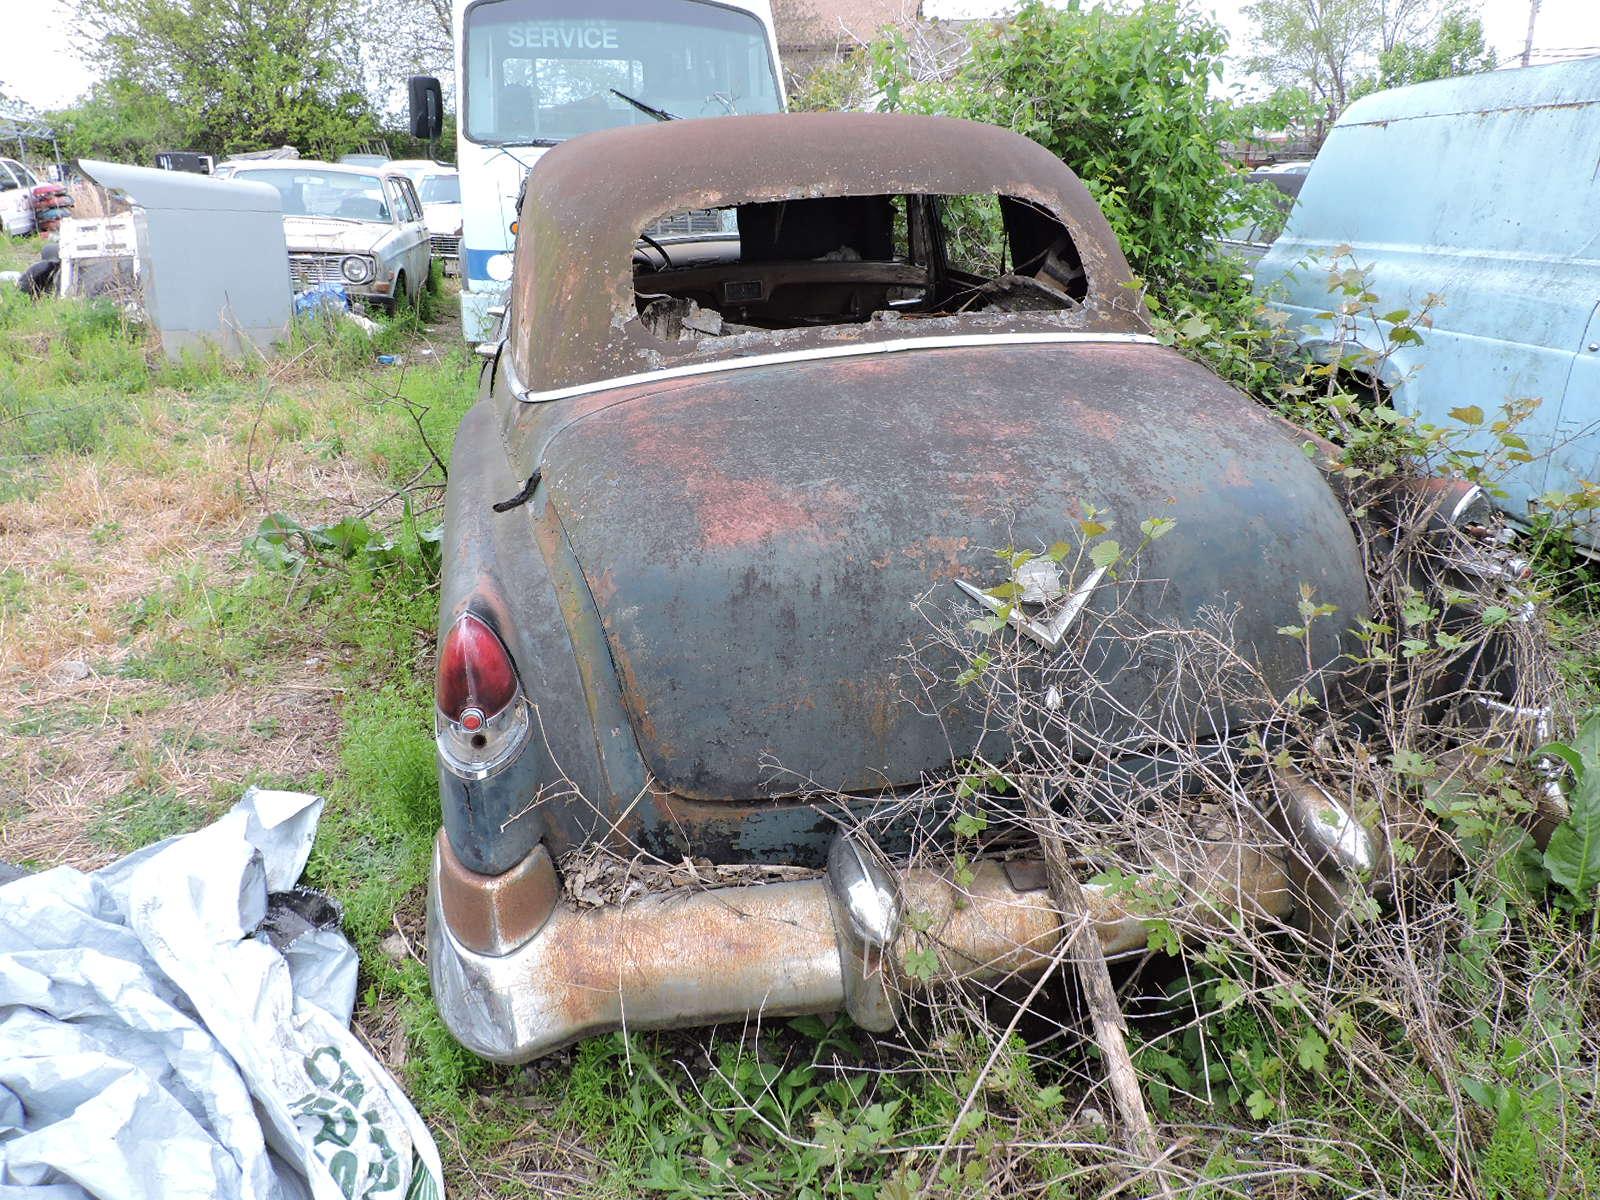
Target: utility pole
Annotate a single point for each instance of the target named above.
(1533, 15)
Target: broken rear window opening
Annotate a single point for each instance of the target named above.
(851, 259)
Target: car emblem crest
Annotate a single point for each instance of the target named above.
(1040, 587)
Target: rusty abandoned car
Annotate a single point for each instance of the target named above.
(688, 522)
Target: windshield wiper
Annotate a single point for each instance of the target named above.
(648, 110)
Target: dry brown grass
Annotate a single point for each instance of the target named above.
(98, 538)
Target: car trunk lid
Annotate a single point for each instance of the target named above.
(756, 541)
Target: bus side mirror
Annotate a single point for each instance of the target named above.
(427, 107)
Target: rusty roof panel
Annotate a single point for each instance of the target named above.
(587, 200)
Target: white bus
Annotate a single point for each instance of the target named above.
(532, 73)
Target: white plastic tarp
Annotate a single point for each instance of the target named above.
(153, 1044)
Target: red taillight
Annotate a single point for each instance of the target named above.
(476, 678)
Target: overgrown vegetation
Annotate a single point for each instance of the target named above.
(1123, 97)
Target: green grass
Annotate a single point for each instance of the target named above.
(142, 816)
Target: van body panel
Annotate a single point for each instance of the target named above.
(1479, 198)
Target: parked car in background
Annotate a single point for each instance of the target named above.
(439, 189)
(1483, 191)
(691, 514)
(16, 198)
(186, 160)
(351, 226)
(1250, 241)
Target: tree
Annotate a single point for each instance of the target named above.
(119, 122)
(1320, 45)
(416, 39)
(240, 74)
(1123, 97)
(1336, 48)
(1457, 48)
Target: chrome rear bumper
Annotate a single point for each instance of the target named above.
(558, 972)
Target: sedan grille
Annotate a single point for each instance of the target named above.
(309, 269)
(445, 246)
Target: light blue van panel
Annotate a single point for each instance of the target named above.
(1485, 192)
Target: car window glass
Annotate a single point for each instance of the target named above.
(27, 176)
(397, 199)
(311, 193)
(441, 189)
(408, 192)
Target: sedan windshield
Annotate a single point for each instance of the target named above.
(440, 189)
(541, 71)
(338, 194)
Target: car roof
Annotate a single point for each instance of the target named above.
(420, 164)
(588, 198)
(1552, 85)
(303, 164)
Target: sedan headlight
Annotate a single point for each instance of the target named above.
(356, 269)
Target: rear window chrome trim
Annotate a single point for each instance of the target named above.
(824, 353)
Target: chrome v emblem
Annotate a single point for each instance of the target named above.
(1048, 632)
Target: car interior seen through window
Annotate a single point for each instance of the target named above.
(327, 194)
(849, 259)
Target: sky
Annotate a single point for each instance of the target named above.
(40, 66)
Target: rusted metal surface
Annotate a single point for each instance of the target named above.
(776, 949)
(759, 614)
(991, 930)
(708, 592)
(494, 914)
(575, 319)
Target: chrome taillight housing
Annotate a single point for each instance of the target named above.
(480, 716)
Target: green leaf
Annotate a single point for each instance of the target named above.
(349, 537)
(1156, 527)
(969, 824)
(921, 964)
(1409, 762)
(1469, 415)
(1573, 854)
(1260, 1104)
(1106, 553)
(1565, 753)
(1312, 1051)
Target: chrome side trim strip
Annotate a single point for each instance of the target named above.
(821, 353)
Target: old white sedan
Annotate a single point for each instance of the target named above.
(352, 226)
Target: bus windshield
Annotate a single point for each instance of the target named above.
(541, 71)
